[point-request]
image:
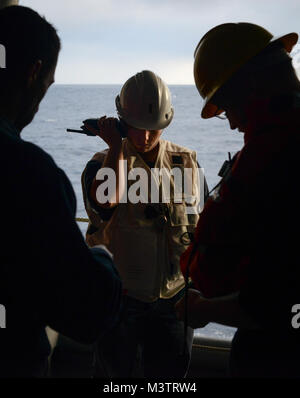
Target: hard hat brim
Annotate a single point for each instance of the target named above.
(289, 40)
(210, 110)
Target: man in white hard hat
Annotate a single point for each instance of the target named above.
(245, 256)
(146, 237)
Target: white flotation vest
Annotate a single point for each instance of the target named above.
(147, 249)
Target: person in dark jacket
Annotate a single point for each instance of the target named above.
(244, 260)
(48, 275)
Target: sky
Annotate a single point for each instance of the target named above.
(107, 41)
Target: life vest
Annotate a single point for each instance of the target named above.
(146, 239)
(220, 255)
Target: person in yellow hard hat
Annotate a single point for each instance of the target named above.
(244, 260)
(146, 236)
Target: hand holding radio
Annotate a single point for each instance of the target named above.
(111, 129)
(106, 128)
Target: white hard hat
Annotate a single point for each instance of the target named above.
(6, 3)
(145, 102)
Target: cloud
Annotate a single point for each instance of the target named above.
(109, 38)
(114, 71)
(191, 14)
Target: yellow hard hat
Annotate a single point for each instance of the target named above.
(223, 50)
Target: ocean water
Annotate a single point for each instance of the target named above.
(65, 106)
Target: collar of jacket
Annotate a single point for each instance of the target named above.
(7, 127)
(133, 154)
(269, 113)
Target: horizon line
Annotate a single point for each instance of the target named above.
(113, 84)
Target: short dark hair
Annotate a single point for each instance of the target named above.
(26, 37)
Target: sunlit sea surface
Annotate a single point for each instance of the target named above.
(67, 105)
